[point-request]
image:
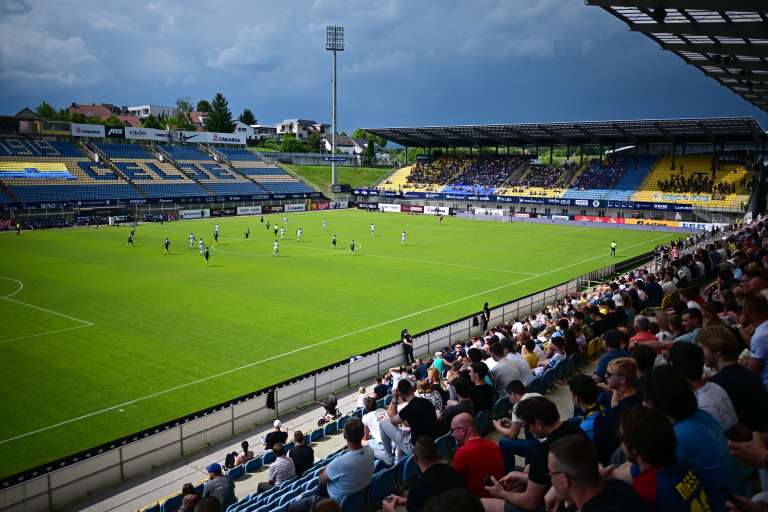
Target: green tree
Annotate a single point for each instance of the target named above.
(362, 134)
(203, 106)
(182, 119)
(313, 141)
(369, 154)
(46, 111)
(220, 118)
(291, 144)
(77, 117)
(151, 122)
(113, 121)
(247, 117)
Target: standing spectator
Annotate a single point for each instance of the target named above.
(436, 477)
(541, 417)
(303, 456)
(282, 470)
(689, 361)
(439, 363)
(406, 340)
(219, 486)
(482, 395)
(275, 436)
(361, 396)
(351, 472)
(477, 457)
(756, 314)
(418, 413)
(245, 455)
(744, 388)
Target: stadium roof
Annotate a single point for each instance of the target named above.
(726, 39)
(677, 131)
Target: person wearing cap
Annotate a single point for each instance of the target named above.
(276, 436)
(219, 486)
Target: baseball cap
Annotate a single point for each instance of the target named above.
(214, 468)
(277, 423)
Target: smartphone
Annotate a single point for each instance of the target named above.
(488, 481)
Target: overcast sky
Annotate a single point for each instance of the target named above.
(406, 63)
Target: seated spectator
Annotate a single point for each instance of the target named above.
(361, 395)
(613, 350)
(437, 384)
(756, 314)
(275, 436)
(529, 352)
(477, 457)
(424, 390)
(482, 395)
(281, 470)
(439, 363)
(745, 389)
(245, 455)
(510, 352)
(666, 483)
(688, 359)
(700, 440)
(219, 486)
(504, 371)
(540, 416)
(372, 432)
(303, 456)
(621, 377)
(436, 477)
(189, 498)
(643, 334)
(463, 389)
(584, 393)
(457, 500)
(208, 504)
(418, 413)
(352, 471)
(692, 322)
(420, 369)
(557, 346)
(646, 358)
(380, 389)
(510, 428)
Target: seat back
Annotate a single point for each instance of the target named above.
(382, 485)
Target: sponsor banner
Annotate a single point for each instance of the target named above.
(334, 158)
(560, 217)
(602, 220)
(339, 205)
(87, 130)
(411, 209)
(489, 211)
(523, 215)
(386, 207)
(295, 207)
(115, 132)
(272, 209)
(146, 134)
(415, 195)
(35, 171)
(651, 222)
(248, 210)
(437, 210)
(210, 137)
(323, 205)
(666, 197)
(194, 214)
(368, 206)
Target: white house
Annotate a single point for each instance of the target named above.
(344, 144)
(301, 128)
(242, 128)
(142, 111)
(264, 131)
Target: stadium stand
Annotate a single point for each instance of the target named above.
(613, 180)
(266, 176)
(83, 179)
(398, 180)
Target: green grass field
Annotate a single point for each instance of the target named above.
(320, 175)
(100, 340)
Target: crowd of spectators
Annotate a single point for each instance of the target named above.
(438, 171)
(488, 171)
(673, 417)
(600, 175)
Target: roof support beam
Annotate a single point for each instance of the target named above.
(552, 134)
(707, 5)
(740, 64)
(586, 133)
(630, 137)
(493, 136)
(748, 50)
(747, 29)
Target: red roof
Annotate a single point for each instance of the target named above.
(131, 120)
(100, 111)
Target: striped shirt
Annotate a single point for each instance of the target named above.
(281, 470)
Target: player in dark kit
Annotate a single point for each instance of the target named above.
(333, 241)
(206, 255)
(166, 245)
(247, 233)
(130, 238)
(613, 247)
(352, 247)
(274, 228)
(267, 225)
(262, 219)
(18, 229)
(216, 236)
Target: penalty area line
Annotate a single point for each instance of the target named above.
(307, 347)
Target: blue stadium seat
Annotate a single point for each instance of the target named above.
(354, 502)
(171, 504)
(316, 435)
(501, 408)
(330, 428)
(410, 470)
(382, 485)
(445, 444)
(268, 457)
(236, 472)
(253, 465)
(185, 152)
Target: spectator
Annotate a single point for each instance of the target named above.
(280, 471)
(621, 378)
(352, 471)
(529, 352)
(476, 457)
(510, 428)
(613, 350)
(439, 363)
(700, 440)
(424, 390)
(540, 416)
(557, 346)
(219, 486)
(457, 500)
(692, 322)
(463, 389)
(689, 361)
(519, 361)
(275, 436)
(756, 314)
(643, 334)
(189, 498)
(245, 455)
(418, 413)
(504, 371)
(666, 483)
(435, 478)
(584, 393)
(361, 395)
(745, 389)
(645, 357)
(437, 385)
(406, 341)
(303, 456)
(209, 504)
(380, 390)
(482, 395)
(420, 369)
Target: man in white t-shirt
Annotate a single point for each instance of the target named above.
(372, 434)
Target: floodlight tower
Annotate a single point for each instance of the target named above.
(334, 42)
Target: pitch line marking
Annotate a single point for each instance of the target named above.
(301, 349)
(43, 333)
(21, 287)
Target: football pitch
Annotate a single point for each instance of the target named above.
(99, 339)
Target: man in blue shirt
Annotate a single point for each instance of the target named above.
(353, 471)
(613, 350)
